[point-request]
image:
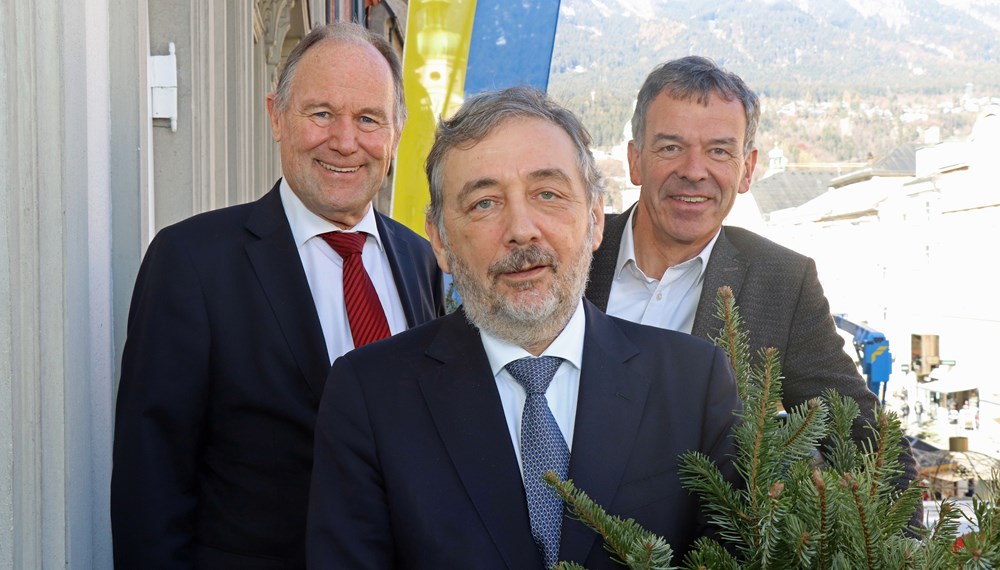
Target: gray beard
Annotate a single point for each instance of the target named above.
(543, 316)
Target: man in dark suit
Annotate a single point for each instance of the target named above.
(430, 446)
(238, 313)
(662, 262)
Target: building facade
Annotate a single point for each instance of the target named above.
(909, 251)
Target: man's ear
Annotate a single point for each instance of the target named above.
(275, 115)
(597, 214)
(437, 244)
(635, 175)
(748, 167)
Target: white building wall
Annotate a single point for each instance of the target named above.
(917, 257)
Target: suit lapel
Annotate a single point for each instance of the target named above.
(609, 409)
(603, 266)
(401, 261)
(278, 269)
(462, 397)
(726, 267)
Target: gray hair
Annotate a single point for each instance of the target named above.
(481, 114)
(350, 33)
(695, 78)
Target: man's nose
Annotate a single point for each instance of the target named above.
(343, 136)
(692, 166)
(521, 224)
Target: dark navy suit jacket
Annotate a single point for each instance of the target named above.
(414, 465)
(222, 373)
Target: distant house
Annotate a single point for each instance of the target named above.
(858, 194)
(901, 161)
(960, 175)
(789, 189)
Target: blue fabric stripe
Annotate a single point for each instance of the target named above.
(511, 44)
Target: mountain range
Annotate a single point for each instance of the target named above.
(789, 50)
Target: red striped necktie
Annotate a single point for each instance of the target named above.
(364, 310)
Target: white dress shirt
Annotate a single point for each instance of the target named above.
(324, 270)
(563, 390)
(669, 302)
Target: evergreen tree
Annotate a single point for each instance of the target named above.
(812, 497)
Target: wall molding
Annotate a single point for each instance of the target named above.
(277, 18)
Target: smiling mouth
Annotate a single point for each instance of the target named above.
(342, 170)
(691, 199)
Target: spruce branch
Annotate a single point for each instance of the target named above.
(853, 487)
(567, 566)
(761, 418)
(883, 426)
(709, 555)
(820, 485)
(841, 453)
(627, 542)
(811, 496)
(772, 525)
(733, 339)
(722, 503)
(801, 434)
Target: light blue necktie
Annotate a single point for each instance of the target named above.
(543, 449)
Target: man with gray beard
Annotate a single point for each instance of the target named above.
(430, 445)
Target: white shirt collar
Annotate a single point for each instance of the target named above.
(626, 251)
(568, 345)
(306, 225)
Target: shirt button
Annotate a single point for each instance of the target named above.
(659, 296)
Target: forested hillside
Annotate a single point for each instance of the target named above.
(839, 79)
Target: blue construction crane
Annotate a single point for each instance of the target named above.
(873, 354)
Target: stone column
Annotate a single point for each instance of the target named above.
(56, 291)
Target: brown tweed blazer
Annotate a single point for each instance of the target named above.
(782, 305)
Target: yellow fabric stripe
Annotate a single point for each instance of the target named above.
(435, 57)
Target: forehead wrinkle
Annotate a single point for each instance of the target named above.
(323, 104)
(543, 174)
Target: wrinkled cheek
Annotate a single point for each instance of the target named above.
(308, 139)
(386, 158)
(378, 147)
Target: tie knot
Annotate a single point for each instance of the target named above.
(345, 243)
(534, 374)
